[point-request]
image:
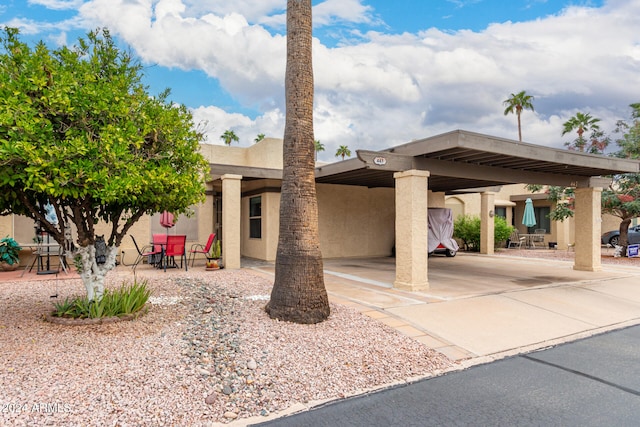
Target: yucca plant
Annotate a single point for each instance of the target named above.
(127, 299)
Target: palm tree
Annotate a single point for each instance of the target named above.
(515, 104)
(298, 293)
(229, 136)
(343, 151)
(258, 138)
(581, 123)
(319, 146)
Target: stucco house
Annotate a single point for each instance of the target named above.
(368, 205)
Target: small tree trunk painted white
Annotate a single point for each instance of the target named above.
(93, 274)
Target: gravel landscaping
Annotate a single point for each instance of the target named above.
(205, 353)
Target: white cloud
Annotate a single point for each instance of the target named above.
(377, 90)
(216, 121)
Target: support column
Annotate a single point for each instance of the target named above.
(588, 229)
(231, 210)
(487, 225)
(411, 230)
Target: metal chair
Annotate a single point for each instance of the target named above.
(146, 251)
(516, 240)
(199, 248)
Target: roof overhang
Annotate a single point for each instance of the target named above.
(461, 160)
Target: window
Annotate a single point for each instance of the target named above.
(184, 225)
(501, 211)
(542, 219)
(255, 217)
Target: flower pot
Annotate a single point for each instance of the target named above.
(212, 265)
(8, 267)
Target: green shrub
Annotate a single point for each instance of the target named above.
(127, 299)
(502, 231)
(467, 229)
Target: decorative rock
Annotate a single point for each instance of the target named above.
(207, 310)
(251, 364)
(203, 371)
(210, 400)
(227, 390)
(230, 415)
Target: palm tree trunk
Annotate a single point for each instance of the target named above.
(519, 128)
(299, 294)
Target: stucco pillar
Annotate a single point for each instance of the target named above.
(588, 229)
(411, 230)
(231, 198)
(487, 226)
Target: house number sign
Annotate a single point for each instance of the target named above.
(379, 161)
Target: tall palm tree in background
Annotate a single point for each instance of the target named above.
(258, 138)
(229, 136)
(515, 104)
(298, 293)
(319, 146)
(581, 123)
(343, 151)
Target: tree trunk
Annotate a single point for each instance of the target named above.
(299, 294)
(624, 235)
(93, 274)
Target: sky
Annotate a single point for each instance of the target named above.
(386, 72)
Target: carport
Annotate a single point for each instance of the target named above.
(462, 161)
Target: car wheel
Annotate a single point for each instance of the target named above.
(614, 241)
(450, 253)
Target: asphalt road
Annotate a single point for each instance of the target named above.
(591, 382)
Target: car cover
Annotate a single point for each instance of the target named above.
(441, 229)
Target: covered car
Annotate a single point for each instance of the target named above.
(440, 237)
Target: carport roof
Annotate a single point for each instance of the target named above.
(461, 160)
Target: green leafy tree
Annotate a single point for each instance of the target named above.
(319, 146)
(229, 136)
(581, 123)
(298, 293)
(622, 198)
(629, 140)
(79, 131)
(259, 138)
(343, 151)
(516, 103)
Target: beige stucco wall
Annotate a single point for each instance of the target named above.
(355, 221)
(264, 248)
(6, 226)
(264, 154)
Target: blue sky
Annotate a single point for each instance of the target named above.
(386, 72)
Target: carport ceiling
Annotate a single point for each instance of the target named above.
(462, 160)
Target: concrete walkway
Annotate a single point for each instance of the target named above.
(481, 308)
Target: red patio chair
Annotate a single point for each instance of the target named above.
(175, 247)
(199, 248)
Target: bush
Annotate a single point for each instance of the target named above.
(467, 229)
(127, 299)
(501, 231)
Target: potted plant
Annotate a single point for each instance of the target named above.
(213, 258)
(9, 254)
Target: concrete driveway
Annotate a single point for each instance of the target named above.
(481, 307)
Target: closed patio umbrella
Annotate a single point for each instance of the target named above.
(167, 220)
(529, 217)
